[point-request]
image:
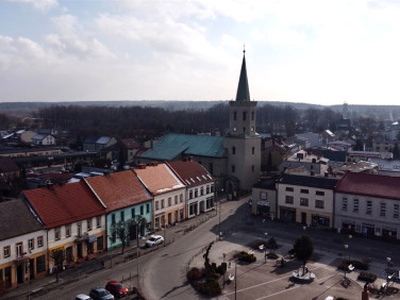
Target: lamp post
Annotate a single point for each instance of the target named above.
(137, 250)
(346, 246)
(235, 280)
(28, 264)
(265, 246)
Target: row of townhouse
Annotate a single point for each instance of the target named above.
(55, 227)
(366, 204)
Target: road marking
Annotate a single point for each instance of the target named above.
(272, 281)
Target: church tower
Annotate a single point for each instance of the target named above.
(242, 142)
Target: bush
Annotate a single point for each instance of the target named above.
(210, 288)
(195, 274)
(272, 255)
(245, 257)
(368, 277)
(221, 269)
(271, 244)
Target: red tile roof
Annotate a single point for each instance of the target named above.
(191, 173)
(64, 204)
(159, 179)
(372, 185)
(119, 190)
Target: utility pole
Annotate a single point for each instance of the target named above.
(137, 250)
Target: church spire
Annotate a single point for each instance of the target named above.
(243, 93)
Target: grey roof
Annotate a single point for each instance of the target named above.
(310, 181)
(172, 145)
(40, 136)
(243, 92)
(103, 140)
(16, 219)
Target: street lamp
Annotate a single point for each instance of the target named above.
(265, 246)
(28, 264)
(346, 246)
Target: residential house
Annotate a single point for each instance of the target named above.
(74, 219)
(308, 200)
(168, 192)
(43, 140)
(368, 205)
(23, 246)
(25, 136)
(314, 164)
(199, 186)
(274, 152)
(97, 143)
(129, 149)
(263, 198)
(124, 198)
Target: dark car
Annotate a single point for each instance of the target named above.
(116, 288)
(100, 294)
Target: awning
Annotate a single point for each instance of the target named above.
(92, 239)
(263, 203)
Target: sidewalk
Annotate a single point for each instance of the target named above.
(39, 287)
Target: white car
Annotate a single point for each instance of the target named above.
(154, 240)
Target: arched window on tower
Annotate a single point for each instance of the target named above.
(234, 116)
(252, 115)
(253, 150)
(233, 150)
(244, 116)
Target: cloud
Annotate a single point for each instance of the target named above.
(41, 5)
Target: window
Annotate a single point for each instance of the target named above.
(6, 251)
(252, 115)
(122, 215)
(156, 205)
(304, 191)
(100, 243)
(319, 204)
(40, 264)
(181, 197)
(190, 194)
(263, 195)
(196, 193)
(344, 204)
(31, 244)
(253, 150)
(289, 199)
(233, 168)
(112, 219)
(67, 230)
(40, 241)
(147, 208)
(289, 189)
(18, 249)
(98, 222)
(320, 193)
(383, 209)
(169, 201)
(234, 115)
(176, 198)
(395, 211)
(133, 212)
(252, 169)
(202, 191)
(141, 210)
(355, 205)
(89, 223)
(79, 229)
(57, 233)
(162, 203)
(244, 116)
(303, 201)
(369, 207)
(233, 150)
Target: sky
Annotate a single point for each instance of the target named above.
(309, 51)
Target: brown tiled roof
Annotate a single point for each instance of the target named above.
(64, 204)
(159, 179)
(7, 165)
(191, 173)
(16, 219)
(119, 190)
(372, 185)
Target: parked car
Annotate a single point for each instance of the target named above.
(83, 297)
(99, 293)
(116, 288)
(154, 240)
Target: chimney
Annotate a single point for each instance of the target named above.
(154, 164)
(142, 166)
